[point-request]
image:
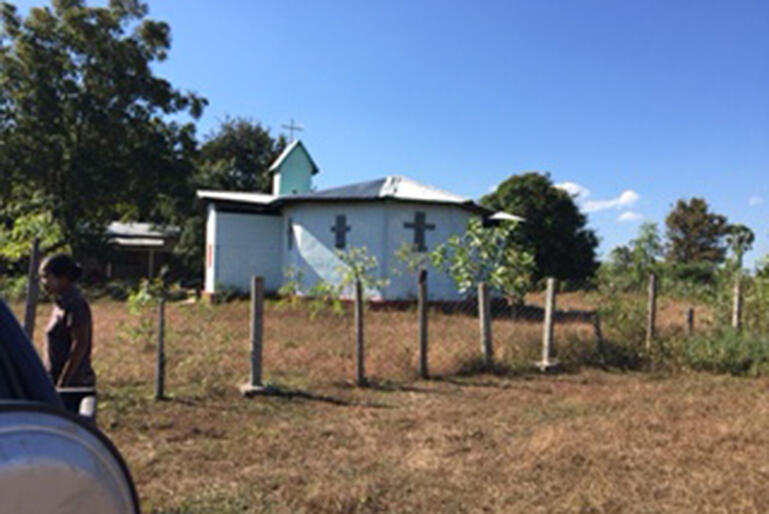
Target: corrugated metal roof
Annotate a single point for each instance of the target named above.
(236, 196)
(137, 229)
(137, 241)
(391, 187)
(394, 187)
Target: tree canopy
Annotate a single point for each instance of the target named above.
(237, 157)
(646, 248)
(628, 265)
(554, 230)
(84, 130)
(739, 239)
(694, 233)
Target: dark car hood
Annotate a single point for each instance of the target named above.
(24, 361)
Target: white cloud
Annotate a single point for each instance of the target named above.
(628, 216)
(580, 193)
(755, 200)
(575, 190)
(626, 198)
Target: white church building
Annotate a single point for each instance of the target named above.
(299, 228)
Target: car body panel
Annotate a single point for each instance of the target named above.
(51, 460)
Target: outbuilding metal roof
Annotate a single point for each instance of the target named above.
(141, 230)
(137, 242)
(141, 235)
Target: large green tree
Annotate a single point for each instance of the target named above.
(237, 157)
(694, 233)
(85, 136)
(555, 231)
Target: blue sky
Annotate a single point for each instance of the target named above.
(638, 103)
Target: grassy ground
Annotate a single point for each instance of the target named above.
(586, 441)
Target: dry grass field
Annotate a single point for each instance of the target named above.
(588, 440)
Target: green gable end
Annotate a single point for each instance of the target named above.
(293, 171)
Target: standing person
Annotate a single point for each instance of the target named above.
(69, 335)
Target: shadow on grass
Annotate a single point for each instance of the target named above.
(609, 356)
(475, 372)
(612, 356)
(391, 386)
(293, 394)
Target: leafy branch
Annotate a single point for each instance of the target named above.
(486, 254)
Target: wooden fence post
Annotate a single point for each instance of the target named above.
(484, 316)
(737, 303)
(422, 311)
(548, 361)
(255, 385)
(651, 319)
(360, 358)
(160, 360)
(598, 334)
(33, 290)
(689, 322)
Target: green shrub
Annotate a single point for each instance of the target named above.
(726, 351)
(13, 289)
(693, 272)
(617, 278)
(756, 305)
(118, 290)
(226, 294)
(623, 317)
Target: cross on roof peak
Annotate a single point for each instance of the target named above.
(292, 127)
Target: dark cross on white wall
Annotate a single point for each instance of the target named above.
(419, 226)
(291, 127)
(340, 229)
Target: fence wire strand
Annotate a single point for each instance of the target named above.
(312, 347)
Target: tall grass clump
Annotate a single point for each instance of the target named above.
(726, 351)
(756, 305)
(623, 323)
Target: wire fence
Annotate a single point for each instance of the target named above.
(310, 345)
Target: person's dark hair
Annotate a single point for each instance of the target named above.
(62, 265)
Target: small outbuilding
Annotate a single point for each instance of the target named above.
(139, 250)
